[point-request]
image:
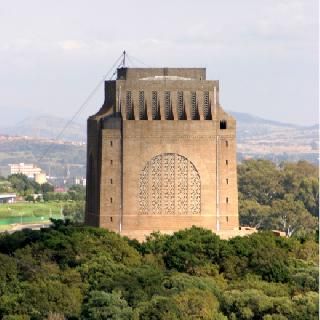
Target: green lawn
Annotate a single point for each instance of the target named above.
(5, 227)
(29, 212)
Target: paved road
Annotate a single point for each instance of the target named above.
(32, 226)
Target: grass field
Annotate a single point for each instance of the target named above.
(24, 212)
(5, 227)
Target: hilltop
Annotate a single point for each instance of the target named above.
(274, 140)
(46, 126)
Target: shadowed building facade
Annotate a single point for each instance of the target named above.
(161, 155)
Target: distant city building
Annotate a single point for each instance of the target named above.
(8, 198)
(30, 170)
(79, 181)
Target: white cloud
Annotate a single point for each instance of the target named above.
(244, 43)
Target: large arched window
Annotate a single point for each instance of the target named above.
(169, 184)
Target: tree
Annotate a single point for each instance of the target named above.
(302, 180)
(188, 249)
(5, 186)
(158, 308)
(77, 272)
(291, 216)
(106, 306)
(308, 193)
(259, 181)
(55, 316)
(29, 198)
(47, 187)
(198, 304)
(253, 214)
(23, 185)
(74, 211)
(284, 197)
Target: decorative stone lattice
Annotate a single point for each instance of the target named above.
(143, 190)
(156, 169)
(169, 184)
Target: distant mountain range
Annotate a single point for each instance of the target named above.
(277, 141)
(47, 126)
(253, 126)
(257, 137)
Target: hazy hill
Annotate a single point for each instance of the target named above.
(257, 137)
(249, 126)
(275, 140)
(47, 126)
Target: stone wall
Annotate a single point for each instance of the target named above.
(154, 171)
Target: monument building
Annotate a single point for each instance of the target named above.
(161, 155)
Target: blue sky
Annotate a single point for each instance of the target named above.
(265, 53)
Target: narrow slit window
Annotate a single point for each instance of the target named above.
(130, 115)
(227, 200)
(111, 143)
(110, 200)
(180, 105)
(155, 107)
(194, 107)
(167, 105)
(227, 143)
(111, 219)
(227, 162)
(111, 162)
(142, 106)
(227, 219)
(227, 181)
(223, 124)
(206, 106)
(111, 181)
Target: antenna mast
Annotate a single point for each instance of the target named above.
(124, 59)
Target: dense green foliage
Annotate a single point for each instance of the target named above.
(75, 193)
(43, 202)
(24, 186)
(284, 198)
(76, 272)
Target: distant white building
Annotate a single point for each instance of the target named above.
(30, 170)
(79, 181)
(8, 198)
